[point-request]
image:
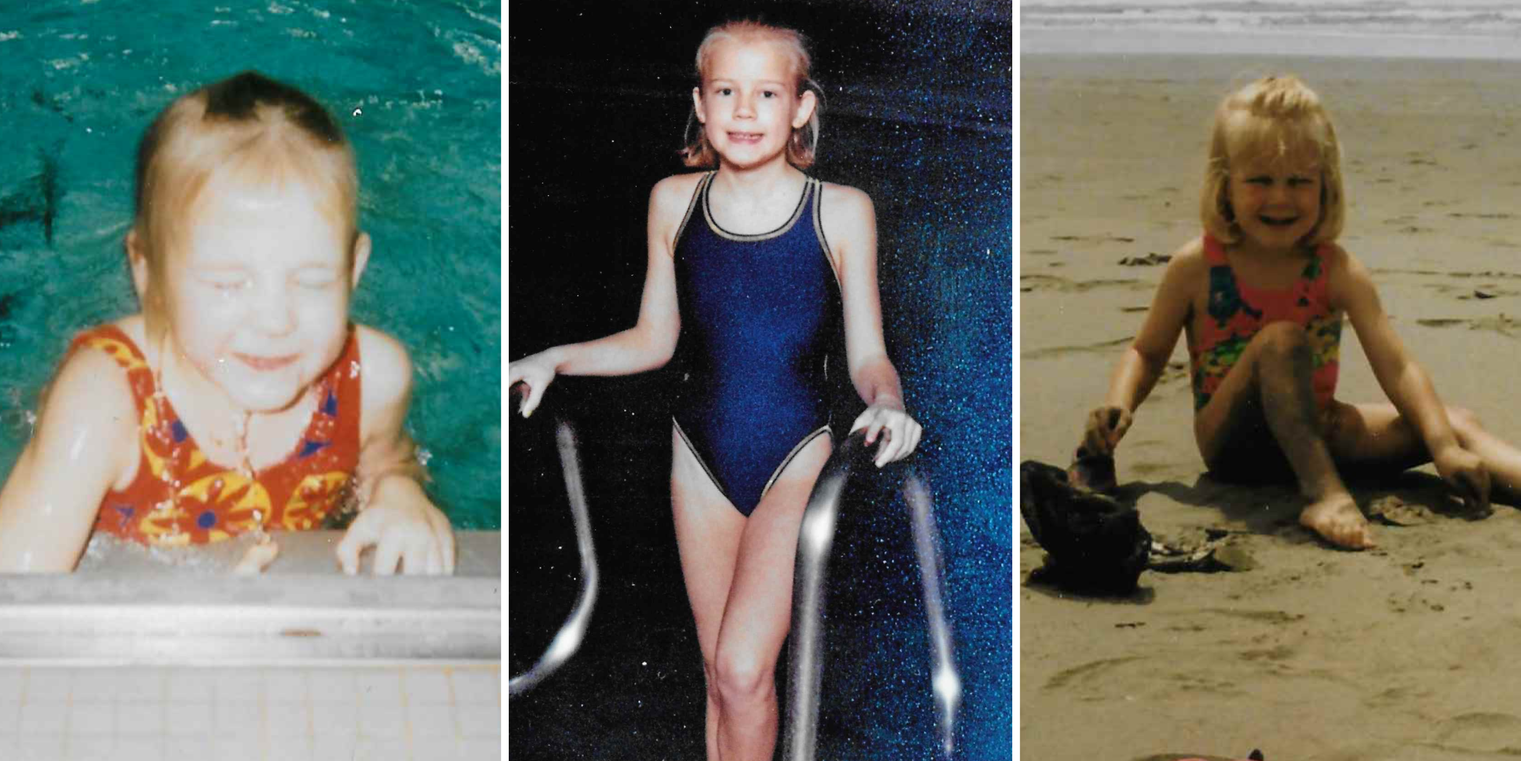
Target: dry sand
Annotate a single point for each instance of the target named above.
(1402, 652)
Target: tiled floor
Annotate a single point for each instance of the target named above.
(427, 713)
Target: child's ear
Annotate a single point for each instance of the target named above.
(361, 258)
(805, 105)
(137, 258)
(697, 104)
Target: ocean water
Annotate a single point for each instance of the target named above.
(1482, 29)
(416, 87)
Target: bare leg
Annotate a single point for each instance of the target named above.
(738, 574)
(1375, 436)
(1269, 386)
(759, 611)
(708, 531)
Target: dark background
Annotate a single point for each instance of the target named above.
(918, 114)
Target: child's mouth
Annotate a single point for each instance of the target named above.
(745, 137)
(1274, 222)
(266, 364)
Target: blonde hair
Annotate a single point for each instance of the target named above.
(1276, 119)
(251, 128)
(805, 140)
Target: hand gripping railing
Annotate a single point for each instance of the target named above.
(568, 639)
(806, 665)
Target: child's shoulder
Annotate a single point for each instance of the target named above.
(844, 200)
(677, 188)
(385, 367)
(671, 197)
(847, 217)
(1189, 261)
(91, 390)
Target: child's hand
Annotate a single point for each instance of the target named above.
(535, 371)
(403, 526)
(1106, 426)
(1465, 472)
(903, 432)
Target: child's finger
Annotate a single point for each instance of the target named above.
(535, 393)
(387, 555)
(415, 560)
(359, 536)
(445, 535)
(887, 448)
(861, 421)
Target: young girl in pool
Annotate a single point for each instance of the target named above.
(753, 267)
(233, 402)
(1261, 295)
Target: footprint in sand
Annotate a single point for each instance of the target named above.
(1093, 238)
(1497, 324)
(1480, 732)
(1065, 285)
(1103, 347)
(1085, 674)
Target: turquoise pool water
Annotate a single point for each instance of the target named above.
(415, 84)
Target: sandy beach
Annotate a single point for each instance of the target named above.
(1310, 653)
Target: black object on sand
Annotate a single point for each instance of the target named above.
(1096, 544)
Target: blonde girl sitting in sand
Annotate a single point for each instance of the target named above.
(232, 403)
(1262, 295)
(758, 269)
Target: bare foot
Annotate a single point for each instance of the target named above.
(1338, 521)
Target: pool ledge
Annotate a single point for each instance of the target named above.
(124, 606)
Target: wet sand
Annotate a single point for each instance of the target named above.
(1402, 652)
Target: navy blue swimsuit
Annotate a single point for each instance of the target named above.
(760, 316)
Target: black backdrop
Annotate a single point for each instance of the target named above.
(917, 114)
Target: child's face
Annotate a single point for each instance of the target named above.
(1277, 203)
(748, 104)
(256, 290)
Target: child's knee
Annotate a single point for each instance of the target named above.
(1464, 422)
(742, 675)
(1282, 341)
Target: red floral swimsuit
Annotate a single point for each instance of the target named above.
(1237, 312)
(180, 497)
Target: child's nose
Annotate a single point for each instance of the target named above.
(275, 312)
(743, 107)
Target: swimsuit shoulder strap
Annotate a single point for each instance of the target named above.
(1214, 252)
(699, 196)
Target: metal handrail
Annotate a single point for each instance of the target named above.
(815, 538)
(568, 639)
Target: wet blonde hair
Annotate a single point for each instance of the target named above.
(248, 128)
(1276, 119)
(804, 141)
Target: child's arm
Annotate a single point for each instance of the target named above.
(850, 226)
(1402, 378)
(395, 516)
(651, 342)
(1146, 357)
(85, 441)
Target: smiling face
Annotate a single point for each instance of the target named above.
(255, 289)
(748, 103)
(1276, 203)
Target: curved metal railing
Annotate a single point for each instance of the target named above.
(568, 639)
(809, 597)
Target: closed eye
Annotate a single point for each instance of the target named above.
(228, 282)
(318, 278)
